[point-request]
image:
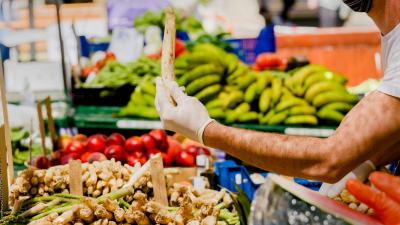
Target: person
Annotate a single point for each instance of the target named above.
(367, 137)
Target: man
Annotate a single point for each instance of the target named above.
(369, 135)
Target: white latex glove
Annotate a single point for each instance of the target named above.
(189, 117)
(361, 173)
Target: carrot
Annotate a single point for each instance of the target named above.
(386, 209)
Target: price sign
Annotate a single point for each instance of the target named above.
(314, 132)
(139, 124)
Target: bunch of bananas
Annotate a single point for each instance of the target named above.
(307, 95)
(141, 103)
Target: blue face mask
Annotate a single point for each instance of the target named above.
(359, 5)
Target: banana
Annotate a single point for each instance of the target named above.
(278, 118)
(201, 83)
(302, 110)
(140, 111)
(242, 108)
(263, 79)
(330, 115)
(244, 82)
(231, 63)
(248, 117)
(320, 87)
(137, 98)
(290, 102)
(200, 71)
(265, 100)
(276, 89)
(149, 99)
(231, 117)
(240, 70)
(216, 113)
(333, 96)
(338, 106)
(300, 75)
(265, 119)
(148, 87)
(233, 99)
(301, 119)
(250, 93)
(208, 92)
(216, 103)
(230, 88)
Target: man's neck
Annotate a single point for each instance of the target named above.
(386, 14)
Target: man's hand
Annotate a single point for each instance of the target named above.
(360, 173)
(189, 117)
(385, 201)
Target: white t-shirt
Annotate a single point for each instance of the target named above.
(391, 63)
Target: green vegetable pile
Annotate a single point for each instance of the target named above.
(232, 93)
(115, 74)
(189, 24)
(20, 148)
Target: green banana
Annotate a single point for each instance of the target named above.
(231, 63)
(320, 87)
(199, 58)
(245, 81)
(290, 102)
(330, 115)
(231, 116)
(148, 87)
(140, 111)
(201, 83)
(181, 63)
(208, 92)
(242, 108)
(216, 103)
(230, 88)
(248, 117)
(263, 79)
(302, 110)
(278, 118)
(300, 75)
(333, 96)
(276, 89)
(149, 99)
(338, 106)
(216, 113)
(301, 119)
(265, 100)
(250, 93)
(265, 119)
(240, 70)
(137, 98)
(233, 99)
(200, 71)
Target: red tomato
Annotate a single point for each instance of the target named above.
(174, 147)
(75, 147)
(116, 152)
(149, 142)
(167, 160)
(185, 159)
(134, 144)
(85, 156)
(179, 47)
(161, 139)
(80, 137)
(268, 61)
(132, 160)
(110, 56)
(116, 139)
(96, 143)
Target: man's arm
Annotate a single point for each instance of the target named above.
(372, 124)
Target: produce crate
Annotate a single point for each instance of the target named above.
(229, 174)
(102, 96)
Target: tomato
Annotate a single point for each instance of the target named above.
(96, 143)
(268, 61)
(161, 139)
(85, 156)
(179, 47)
(149, 142)
(185, 159)
(75, 147)
(116, 152)
(132, 160)
(134, 144)
(116, 139)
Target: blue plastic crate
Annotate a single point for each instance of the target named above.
(249, 48)
(229, 174)
(313, 185)
(88, 48)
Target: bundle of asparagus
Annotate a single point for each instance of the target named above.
(131, 204)
(98, 178)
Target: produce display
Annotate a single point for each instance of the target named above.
(232, 92)
(189, 24)
(114, 74)
(20, 146)
(134, 149)
(116, 194)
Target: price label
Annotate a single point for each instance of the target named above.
(315, 132)
(139, 124)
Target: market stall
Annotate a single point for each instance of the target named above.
(104, 159)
